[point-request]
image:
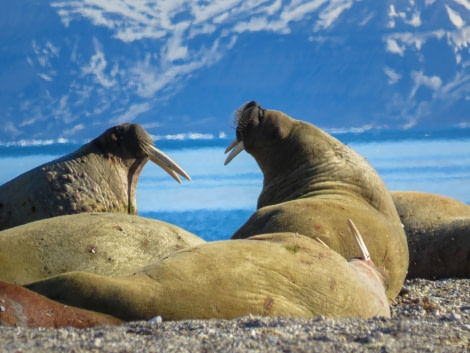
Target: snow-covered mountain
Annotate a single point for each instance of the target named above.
(70, 69)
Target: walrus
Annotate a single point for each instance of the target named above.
(20, 307)
(277, 274)
(312, 183)
(438, 232)
(101, 176)
(110, 244)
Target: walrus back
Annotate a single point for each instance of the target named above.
(282, 274)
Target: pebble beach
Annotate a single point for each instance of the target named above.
(427, 316)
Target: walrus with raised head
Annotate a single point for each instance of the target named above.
(109, 244)
(438, 232)
(312, 184)
(101, 176)
(278, 274)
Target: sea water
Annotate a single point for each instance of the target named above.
(220, 198)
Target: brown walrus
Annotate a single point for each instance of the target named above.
(279, 274)
(111, 244)
(20, 307)
(100, 176)
(438, 232)
(312, 184)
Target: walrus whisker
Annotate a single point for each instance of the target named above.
(166, 163)
(236, 147)
(359, 241)
(245, 115)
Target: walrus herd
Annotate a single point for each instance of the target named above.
(327, 237)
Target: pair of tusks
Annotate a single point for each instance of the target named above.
(236, 147)
(165, 162)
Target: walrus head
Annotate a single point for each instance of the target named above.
(290, 153)
(256, 128)
(131, 143)
(128, 147)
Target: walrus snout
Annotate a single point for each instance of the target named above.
(132, 142)
(246, 118)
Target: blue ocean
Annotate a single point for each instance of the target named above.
(220, 198)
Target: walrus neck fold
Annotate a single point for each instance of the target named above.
(317, 164)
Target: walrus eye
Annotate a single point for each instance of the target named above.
(118, 139)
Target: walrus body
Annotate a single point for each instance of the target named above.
(101, 176)
(282, 274)
(21, 307)
(438, 232)
(312, 184)
(110, 244)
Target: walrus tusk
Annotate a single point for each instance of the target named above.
(236, 147)
(359, 241)
(166, 163)
(321, 242)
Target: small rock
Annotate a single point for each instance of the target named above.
(157, 319)
(97, 342)
(273, 340)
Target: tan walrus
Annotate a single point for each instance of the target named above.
(312, 184)
(20, 307)
(110, 244)
(100, 176)
(438, 232)
(279, 274)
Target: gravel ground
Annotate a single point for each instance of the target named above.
(428, 316)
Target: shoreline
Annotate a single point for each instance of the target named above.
(430, 316)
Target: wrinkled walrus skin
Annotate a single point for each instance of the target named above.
(101, 176)
(312, 184)
(438, 232)
(110, 244)
(20, 307)
(282, 274)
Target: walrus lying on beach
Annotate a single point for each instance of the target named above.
(279, 274)
(312, 184)
(110, 244)
(101, 176)
(20, 307)
(438, 232)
